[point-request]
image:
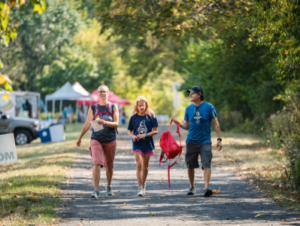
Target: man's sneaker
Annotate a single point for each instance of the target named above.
(207, 192)
(140, 192)
(108, 190)
(95, 194)
(144, 189)
(192, 191)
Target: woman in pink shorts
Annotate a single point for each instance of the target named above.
(142, 127)
(103, 142)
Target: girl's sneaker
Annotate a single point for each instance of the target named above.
(192, 191)
(140, 192)
(144, 189)
(95, 194)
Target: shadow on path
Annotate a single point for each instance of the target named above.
(236, 204)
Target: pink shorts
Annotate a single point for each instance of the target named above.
(103, 153)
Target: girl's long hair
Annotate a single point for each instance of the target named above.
(148, 110)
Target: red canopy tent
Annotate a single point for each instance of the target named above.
(112, 97)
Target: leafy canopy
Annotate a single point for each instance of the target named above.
(8, 28)
(176, 18)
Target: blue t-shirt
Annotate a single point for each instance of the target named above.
(199, 119)
(70, 110)
(141, 125)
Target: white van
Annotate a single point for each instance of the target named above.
(21, 104)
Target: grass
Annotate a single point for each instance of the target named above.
(30, 189)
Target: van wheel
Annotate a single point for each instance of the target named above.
(22, 137)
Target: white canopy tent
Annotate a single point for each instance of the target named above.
(79, 89)
(66, 92)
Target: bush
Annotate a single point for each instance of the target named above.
(284, 132)
(43, 115)
(256, 125)
(229, 120)
(234, 122)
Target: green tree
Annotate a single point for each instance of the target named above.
(40, 38)
(105, 52)
(233, 76)
(73, 65)
(8, 28)
(277, 25)
(175, 18)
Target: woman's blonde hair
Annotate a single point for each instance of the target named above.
(148, 110)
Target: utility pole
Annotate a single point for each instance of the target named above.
(175, 88)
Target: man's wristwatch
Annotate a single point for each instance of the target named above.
(146, 134)
(220, 139)
(106, 123)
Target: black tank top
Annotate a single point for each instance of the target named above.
(107, 134)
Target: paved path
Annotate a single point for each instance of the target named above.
(237, 204)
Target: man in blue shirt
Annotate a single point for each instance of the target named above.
(197, 120)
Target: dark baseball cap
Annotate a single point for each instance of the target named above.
(196, 89)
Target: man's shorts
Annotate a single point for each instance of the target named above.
(192, 153)
(103, 154)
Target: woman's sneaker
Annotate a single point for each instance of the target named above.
(207, 192)
(140, 192)
(144, 189)
(95, 194)
(108, 189)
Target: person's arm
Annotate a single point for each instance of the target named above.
(218, 132)
(113, 124)
(134, 138)
(130, 130)
(154, 132)
(184, 125)
(86, 126)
